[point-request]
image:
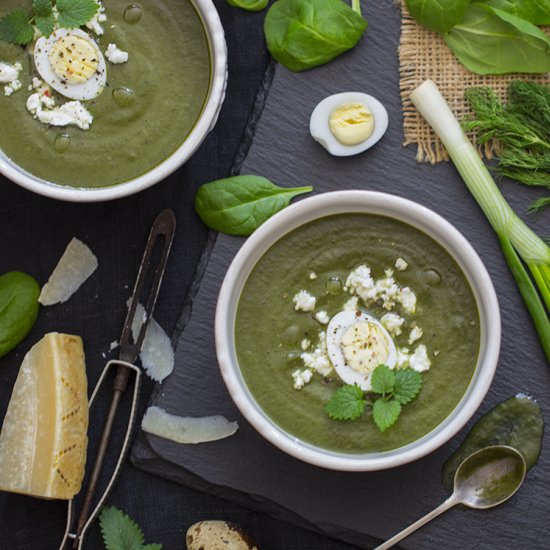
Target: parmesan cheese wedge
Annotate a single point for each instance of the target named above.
(44, 436)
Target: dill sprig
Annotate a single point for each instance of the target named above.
(522, 129)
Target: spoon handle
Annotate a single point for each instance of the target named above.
(449, 503)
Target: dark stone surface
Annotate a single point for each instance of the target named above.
(356, 507)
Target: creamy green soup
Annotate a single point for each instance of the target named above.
(269, 331)
(150, 104)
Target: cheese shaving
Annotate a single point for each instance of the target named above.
(185, 429)
(75, 266)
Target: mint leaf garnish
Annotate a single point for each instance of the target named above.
(75, 13)
(385, 413)
(408, 383)
(42, 8)
(120, 532)
(15, 28)
(383, 380)
(347, 403)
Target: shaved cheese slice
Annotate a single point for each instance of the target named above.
(74, 267)
(185, 429)
(44, 436)
(157, 355)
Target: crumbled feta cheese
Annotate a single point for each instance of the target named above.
(392, 323)
(361, 283)
(36, 83)
(301, 378)
(351, 304)
(70, 113)
(9, 75)
(419, 360)
(116, 55)
(387, 290)
(304, 301)
(415, 334)
(305, 343)
(322, 317)
(114, 344)
(403, 356)
(408, 299)
(318, 360)
(94, 24)
(401, 264)
(312, 275)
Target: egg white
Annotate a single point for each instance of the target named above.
(84, 91)
(337, 326)
(321, 132)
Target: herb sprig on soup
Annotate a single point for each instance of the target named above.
(97, 93)
(357, 317)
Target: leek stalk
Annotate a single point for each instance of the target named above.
(518, 242)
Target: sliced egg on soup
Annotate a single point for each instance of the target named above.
(348, 123)
(71, 63)
(357, 343)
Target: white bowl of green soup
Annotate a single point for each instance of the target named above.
(114, 106)
(357, 330)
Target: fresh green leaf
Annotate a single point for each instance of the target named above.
(347, 403)
(249, 5)
(385, 413)
(16, 28)
(18, 308)
(42, 8)
(534, 11)
(408, 384)
(119, 531)
(75, 13)
(152, 547)
(383, 380)
(302, 34)
(438, 15)
(491, 41)
(240, 204)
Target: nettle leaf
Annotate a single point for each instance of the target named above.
(45, 25)
(15, 28)
(383, 379)
(119, 531)
(240, 204)
(408, 384)
(302, 34)
(385, 413)
(75, 13)
(347, 403)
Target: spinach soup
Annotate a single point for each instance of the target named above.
(142, 80)
(336, 298)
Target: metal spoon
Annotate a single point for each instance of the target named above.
(485, 479)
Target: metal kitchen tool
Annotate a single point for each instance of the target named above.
(485, 479)
(163, 228)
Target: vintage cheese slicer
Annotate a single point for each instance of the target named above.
(150, 275)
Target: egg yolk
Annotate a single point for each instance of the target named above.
(364, 346)
(351, 123)
(73, 59)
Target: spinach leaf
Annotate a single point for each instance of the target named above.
(492, 41)
(438, 15)
(18, 308)
(302, 34)
(240, 204)
(248, 5)
(534, 11)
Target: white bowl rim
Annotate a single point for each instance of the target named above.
(218, 72)
(384, 204)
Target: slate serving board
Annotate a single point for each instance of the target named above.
(358, 508)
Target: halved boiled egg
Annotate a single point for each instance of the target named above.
(348, 123)
(71, 63)
(356, 344)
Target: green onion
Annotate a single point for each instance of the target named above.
(518, 242)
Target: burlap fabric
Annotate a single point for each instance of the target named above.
(423, 54)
